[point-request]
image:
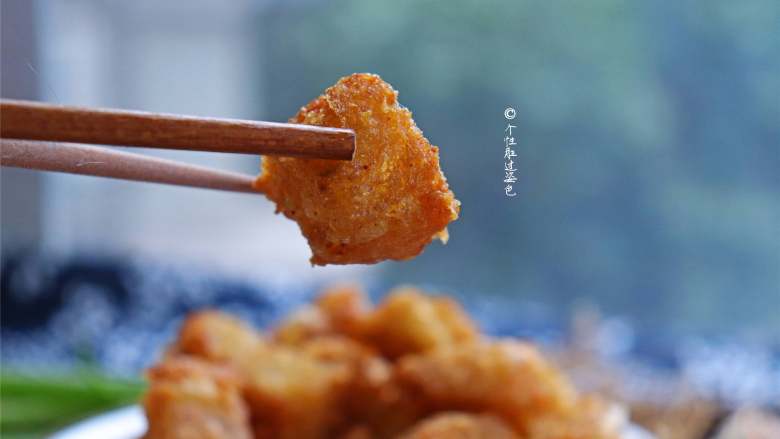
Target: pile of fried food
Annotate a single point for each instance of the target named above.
(413, 367)
(389, 202)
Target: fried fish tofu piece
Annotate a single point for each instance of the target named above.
(302, 325)
(455, 425)
(406, 322)
(189, 398)
(338, 350)
(340, 310)
(347, 308)
(217, 336)
(293, 394)
(409, 322)
(371, 396)
(510, 379)
(380, 403)
(387, 203)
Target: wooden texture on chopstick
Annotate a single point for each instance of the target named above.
(40, 121)
(105, 162)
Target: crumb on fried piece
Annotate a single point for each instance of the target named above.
(389, 202)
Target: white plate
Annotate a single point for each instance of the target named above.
(124, 423)
(130, 423)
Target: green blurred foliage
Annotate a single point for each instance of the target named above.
(35, 405)
(648, 143)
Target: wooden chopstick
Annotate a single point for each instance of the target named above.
(105, 162)
(39, 121)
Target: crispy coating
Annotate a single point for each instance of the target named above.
(409, 322)
(387, 203)
(414, 367)
(193, 399)
(461, 426)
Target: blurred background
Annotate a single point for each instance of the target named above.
(645, 230)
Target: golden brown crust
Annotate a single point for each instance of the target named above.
(387, 203)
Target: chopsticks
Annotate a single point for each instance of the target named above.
(38, 121)
(24, 124)
(105, 162)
